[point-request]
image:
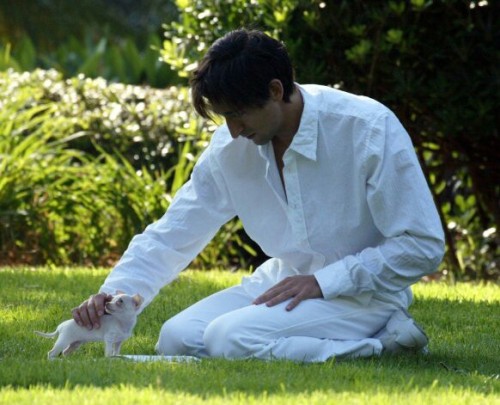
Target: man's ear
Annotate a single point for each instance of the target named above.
(276, 90)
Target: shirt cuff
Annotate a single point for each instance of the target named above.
(334, 280)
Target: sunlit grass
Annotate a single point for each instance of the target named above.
(462, 321)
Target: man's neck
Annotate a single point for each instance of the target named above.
(293, 113)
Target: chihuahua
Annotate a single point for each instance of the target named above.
(116, 326)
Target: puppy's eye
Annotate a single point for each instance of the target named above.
(119, 302)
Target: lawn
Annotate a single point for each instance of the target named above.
(463, 367)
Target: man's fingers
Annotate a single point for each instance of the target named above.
(89, 312)
(93, 314)
(81, 316)
(273, 292)
(298, 288)
(294, 302)
(99, 304)
(278, 294)
(269, 296)
(283, 296)
(76, 316)
(96, 307)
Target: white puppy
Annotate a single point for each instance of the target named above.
(116, 326)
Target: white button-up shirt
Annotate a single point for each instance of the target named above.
(355, 209)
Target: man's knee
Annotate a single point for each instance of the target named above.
(225, 338)
(178, 337)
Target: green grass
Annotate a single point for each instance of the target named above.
(463, 322)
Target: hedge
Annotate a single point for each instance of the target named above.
(85, 165)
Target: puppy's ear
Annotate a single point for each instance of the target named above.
(138, 300)
(118, 292)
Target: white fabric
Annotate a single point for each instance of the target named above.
(359, 214)
(356, 211)
(227, 325)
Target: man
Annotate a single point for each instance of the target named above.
(327, 183)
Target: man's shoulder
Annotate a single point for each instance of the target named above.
(332, 100)
(221, 137)
(223, 144)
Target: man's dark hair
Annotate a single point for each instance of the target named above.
(237, 70)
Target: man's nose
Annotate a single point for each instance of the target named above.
(235, 127)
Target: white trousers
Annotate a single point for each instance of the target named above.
(227, 324)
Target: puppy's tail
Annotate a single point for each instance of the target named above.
(47, 335)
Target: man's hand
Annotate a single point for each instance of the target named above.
(298, 287)
(89, 312)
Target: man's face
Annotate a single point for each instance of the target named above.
(258, 124)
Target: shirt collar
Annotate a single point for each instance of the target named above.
(305, 141)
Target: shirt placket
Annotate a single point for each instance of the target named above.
(295, 209)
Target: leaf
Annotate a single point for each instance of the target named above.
(394, 36)
(359, 52)
(91, 66)
(26, 54)
(6, 59)
(133, 61)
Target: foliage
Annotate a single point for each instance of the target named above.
(115, 40)
(85, 165)
(48, 23)
(119, 61)
(435, 63)
(462, 367)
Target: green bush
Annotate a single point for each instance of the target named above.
(118, 61)
(51, 22)
(85, 165)
(115, 40)
(435, 63)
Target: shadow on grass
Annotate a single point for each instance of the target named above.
(465, 347)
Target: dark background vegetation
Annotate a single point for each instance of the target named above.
(115, 135)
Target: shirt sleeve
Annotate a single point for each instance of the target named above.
(403, 211)
(166, 247)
